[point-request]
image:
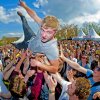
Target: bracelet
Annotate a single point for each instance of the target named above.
(51, 91)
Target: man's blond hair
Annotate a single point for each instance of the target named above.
(51, 21)
(82, 88)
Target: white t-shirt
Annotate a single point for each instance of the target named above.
(64, 95)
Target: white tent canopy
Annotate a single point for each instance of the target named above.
(92, 35)
(80, 35)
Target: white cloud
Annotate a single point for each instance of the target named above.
(36, 4)
(71, 10)
(7, 16)
(40, 3)
(87, 18)
(96, 3)
(44, 13)
(43, 2)
(14, 34)
(61, 22)
(10, 15)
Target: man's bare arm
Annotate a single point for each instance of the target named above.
(52, 68)
(31, 12)
(75, 65)
(72, 63)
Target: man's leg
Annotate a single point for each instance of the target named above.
(26, 28)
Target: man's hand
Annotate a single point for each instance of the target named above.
(29, 52)
(70, 75)
(96, 95)
(30, 73)
(24, 54)
(31, 12)
(35, 63)
(52, 83)
(22, 4)
(61, 52)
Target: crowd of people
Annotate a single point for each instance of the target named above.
(49, 69)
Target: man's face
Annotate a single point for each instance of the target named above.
(96, 71)
(47, 34)
(71, 88)
(7, 62)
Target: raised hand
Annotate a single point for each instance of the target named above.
(96, 95)
(30, 72)
(61, 52)
(29, 52)
(35, 63)
(52, 83)
(24, 54)
(22, 3)
(70, 75)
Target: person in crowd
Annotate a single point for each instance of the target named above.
(93, 64)
(78, 89)
(18, 81)
(83, 57)
(44, 42)
(4, 92)
(93, 76)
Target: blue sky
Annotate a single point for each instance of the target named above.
(67, 11)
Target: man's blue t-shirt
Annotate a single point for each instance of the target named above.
(50, 48)
(93, 89)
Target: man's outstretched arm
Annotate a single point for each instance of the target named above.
(31, 12)
(72, 63)
(52, 68)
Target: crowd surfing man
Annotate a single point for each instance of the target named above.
(44, 42)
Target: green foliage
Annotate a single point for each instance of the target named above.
(70, 31)
(67, 31)
(7, 40)
(88, 26)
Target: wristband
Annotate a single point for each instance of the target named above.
(51, 91)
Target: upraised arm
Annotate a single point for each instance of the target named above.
(52, 83)
(58, 77)
(8, 66)
(31, 12)
(72, 63)
(53, 68)
(23, 56)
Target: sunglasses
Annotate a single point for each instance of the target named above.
(97, 68)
